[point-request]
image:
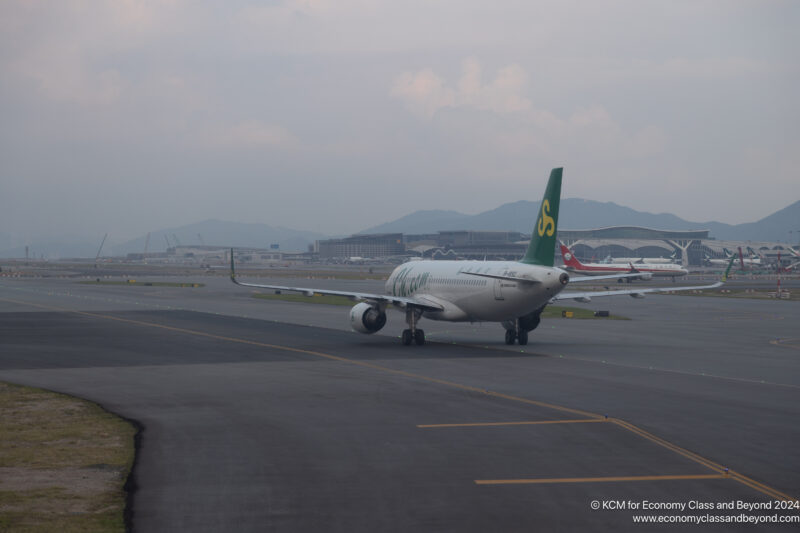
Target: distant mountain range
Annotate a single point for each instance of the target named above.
(575, 213)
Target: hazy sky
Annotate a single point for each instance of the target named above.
(337, 115)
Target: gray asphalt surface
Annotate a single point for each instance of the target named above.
(271, 416)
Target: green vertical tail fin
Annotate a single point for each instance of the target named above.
(728, 270)
(542, 247)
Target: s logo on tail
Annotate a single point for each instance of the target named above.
(546, 223)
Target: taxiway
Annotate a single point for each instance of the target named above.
(261, 415)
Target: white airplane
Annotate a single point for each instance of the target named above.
(717, 262)
(637, 260)
(511, 293)
(752, 258)
(647, 270)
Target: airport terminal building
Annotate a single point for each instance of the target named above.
(617, 241)
(687, 247)
(367, 246)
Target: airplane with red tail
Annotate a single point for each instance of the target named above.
(647, 270)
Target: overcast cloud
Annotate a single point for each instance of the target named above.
(333, 116)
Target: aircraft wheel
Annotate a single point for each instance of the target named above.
(419, 337)
(510, 336)
(407, 337)
(522, 338)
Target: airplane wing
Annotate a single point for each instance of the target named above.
(634, 293)
(506, 278)
(398, 301)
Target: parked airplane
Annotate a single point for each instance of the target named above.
(637, 260)
(778, 264)
(718, 262)
(512, 293)
(572, 264)
(795, 255)
(752, 259)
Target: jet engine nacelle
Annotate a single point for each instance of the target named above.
(365, 318)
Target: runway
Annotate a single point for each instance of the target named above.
(271, 416)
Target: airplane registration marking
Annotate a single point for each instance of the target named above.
(755, 485)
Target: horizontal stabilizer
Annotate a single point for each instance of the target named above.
(506, 278)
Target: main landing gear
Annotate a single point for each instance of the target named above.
(521, 328)
(413, 334)
(418, 336)
(519, 336)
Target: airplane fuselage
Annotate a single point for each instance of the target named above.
(600, 269)
(641, 260)
(747, 261)
(467, 292)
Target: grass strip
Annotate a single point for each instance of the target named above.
(301, 298)
(555, 311)
(749, 294)
(133, 282)
(64, 463)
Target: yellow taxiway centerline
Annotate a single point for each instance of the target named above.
(787, 343)
(524, 423)
(536, 481)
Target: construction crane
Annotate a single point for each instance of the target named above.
(146, 242)
(100, 249)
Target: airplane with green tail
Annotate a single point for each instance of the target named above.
(513, 293)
